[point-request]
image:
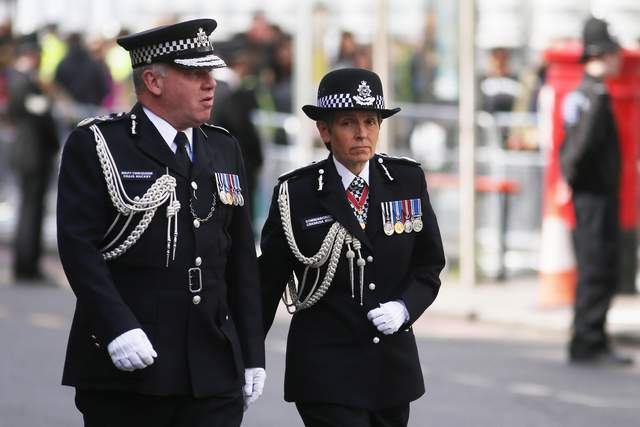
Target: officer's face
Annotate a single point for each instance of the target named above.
(353, 136)
(613, 61)
(188, 96)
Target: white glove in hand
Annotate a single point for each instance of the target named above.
(389, 316)
(131, 350)
(253, 385)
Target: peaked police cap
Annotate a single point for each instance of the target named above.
(349, 89)
(186, 44)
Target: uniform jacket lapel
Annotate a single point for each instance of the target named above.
(204, 155)
(335, 202)
(151, 142)
(380, 190)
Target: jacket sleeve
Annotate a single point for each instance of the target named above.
(275, 262)
(244, 286)
(427, 261)
(582, 119)
(82, 214)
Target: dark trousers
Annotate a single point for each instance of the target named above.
(28, 236)
(331, 415)
(122, 409)
(596, 242)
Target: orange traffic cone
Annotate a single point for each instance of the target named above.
(558, 274)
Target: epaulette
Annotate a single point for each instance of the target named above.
(301, 170)
(101, 119)
(218, 128)
(396, 159)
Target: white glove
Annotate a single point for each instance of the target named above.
(389, 317)
(131, 350)
(253, 385)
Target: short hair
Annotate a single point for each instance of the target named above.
(138, 81)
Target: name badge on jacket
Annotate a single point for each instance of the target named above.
(140, 175)
(316, 221)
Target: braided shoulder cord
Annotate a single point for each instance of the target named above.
(285, 215)
(161, 191)
(332, 244)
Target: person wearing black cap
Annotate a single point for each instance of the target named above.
(590, 163)
(156, 243)
(358, 233)
(32, 155)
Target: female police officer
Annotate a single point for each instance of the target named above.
(358, 232)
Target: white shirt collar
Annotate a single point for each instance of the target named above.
(348, 176)
(168, 132)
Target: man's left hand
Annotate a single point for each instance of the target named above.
(389, 316)
(253, 385)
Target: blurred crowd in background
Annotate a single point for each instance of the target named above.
(79, 75)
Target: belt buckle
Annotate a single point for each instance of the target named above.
(195, 280)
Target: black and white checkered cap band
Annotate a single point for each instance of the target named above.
(147, 53)
(344, 100)
(340, 100)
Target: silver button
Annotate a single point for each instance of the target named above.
(198, 261)
(197, 299)
(372, 286)
(196, 223)
(97, 345)
(93, 337)
(369, 258)
(194, 185)
(376, 340)
(226, 317)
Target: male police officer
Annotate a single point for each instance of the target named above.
(158, 248)
(590, 161)
(358, 231)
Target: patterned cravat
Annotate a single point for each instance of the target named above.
(358, 196)
(182, 157)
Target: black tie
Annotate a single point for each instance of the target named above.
(181, 153)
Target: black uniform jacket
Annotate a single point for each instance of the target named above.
(590, 154)
(202, 348)
(334, 354)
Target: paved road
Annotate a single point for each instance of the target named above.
(476, 374)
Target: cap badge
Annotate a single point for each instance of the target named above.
(203, 39)
(364, 94)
